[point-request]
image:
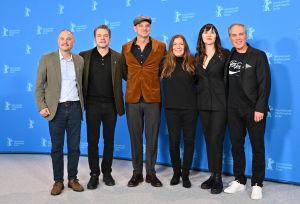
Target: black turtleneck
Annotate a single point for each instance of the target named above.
(178, 90)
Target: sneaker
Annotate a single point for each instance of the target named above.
(256, 192)
(235, 187)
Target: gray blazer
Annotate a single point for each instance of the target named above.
(117, 71)
(48, 82)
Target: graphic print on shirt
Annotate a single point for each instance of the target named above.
(235, 67)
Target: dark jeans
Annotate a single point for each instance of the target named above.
(178, 120)
(213, 126)
(139, 114)
(97, 113)
(239, 121)
(67, 119)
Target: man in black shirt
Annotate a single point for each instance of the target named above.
(249, 89)
(102, 91)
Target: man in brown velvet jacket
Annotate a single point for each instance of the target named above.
(143, 55)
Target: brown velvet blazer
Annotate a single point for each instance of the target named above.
(143, 80)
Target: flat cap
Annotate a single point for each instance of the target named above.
(140, 19)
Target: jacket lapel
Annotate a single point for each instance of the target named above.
(57, 70)
(113, 67)
(211, 63)
(76, 65)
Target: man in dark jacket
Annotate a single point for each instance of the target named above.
(103, 96)
(249, 85)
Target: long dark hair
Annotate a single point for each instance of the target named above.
(201, 51)
(170, 59)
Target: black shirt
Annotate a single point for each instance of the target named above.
(178, 90)
(138, 54)
(100, 78)
(237, 98)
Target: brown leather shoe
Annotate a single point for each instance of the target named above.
(75, 185)
(57, 188)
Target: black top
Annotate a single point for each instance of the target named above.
(100, 86)
(138, 54)
(236, 97)
(178, 90)
(211, 86)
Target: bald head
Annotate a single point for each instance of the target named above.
(65, 40)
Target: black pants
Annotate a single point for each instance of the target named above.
(239, 121)
(97, 113)
(178, 120)
(139, 114)
(213, 126)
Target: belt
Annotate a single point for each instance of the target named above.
(69, 103)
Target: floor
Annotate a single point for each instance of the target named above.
(27, 178)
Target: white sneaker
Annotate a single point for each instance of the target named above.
(256, 193)
(235, 187)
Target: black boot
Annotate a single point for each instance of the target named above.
(185, 179)
(175, 179)
(208, 183)
(217, 184)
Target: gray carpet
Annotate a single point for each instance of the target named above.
(28, 179)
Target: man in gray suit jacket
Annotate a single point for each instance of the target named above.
(59, 99)
(103, 96)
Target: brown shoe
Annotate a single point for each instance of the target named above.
(75, 185)
(57, 188)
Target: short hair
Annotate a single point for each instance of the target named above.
(67, 31)
(103, 26)
(237, 24)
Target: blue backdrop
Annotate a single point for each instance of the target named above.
(30, 28)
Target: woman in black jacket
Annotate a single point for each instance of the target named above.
(211, 100)
(178, 74)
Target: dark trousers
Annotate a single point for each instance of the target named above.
(213, 126)
(139, 114)
(239, 121)
(67, 119)
(181, 120)
(97, 113)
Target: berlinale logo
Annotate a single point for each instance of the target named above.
(30, 124)
(61, 9)
(270, 163)
(94, 5)
(27, 12)
(128, 3)
(251, 30)
(219, 11)
(28, 50)
(177, 16)
(267, 4)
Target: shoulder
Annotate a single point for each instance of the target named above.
(257, 52)
(225, 51)
(50, 54)
(115, 53)
(77, 57)
(127, 44)
(85, 52)
(158, 42)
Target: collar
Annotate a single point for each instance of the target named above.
(61, 57)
